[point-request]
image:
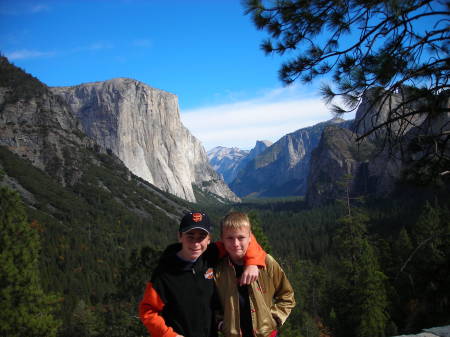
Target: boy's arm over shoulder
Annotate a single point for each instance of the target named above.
(255, 254)
(283, 298)
(150, 313)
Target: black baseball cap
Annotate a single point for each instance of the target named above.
(195, 219)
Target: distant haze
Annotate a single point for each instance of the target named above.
(270, 116)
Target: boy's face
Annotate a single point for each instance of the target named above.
(236, 242)
(194, 243)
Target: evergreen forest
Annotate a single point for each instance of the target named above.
(80, 259)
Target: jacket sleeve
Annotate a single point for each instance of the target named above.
(150, 314)
(255, 254)
(283, 298)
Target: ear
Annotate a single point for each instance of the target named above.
(179, 236)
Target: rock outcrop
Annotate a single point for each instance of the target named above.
(442, 331)
(229, 161)
(382, 159)
(260, 147)
(282, 169)
(225, 161)
(142, 126)
(336, 158)
(38, 126)
(372, 116)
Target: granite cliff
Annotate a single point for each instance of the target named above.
(225, 161)
(282, 168)
(337, 156)
(229, 161)
(42, 130)
(141, 125)
(408, 151)
(370, 115)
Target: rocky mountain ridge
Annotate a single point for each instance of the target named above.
(36, 125)
(315, 161)
(373, 166)
(336, 157)
(282, 169)
(229, 161)
(41, 128)
(142, 126)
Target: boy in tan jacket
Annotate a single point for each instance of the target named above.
(260, 308)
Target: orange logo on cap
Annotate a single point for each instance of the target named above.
(197, 217)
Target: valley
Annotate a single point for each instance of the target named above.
(105, 170)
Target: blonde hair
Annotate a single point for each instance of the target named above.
(235, 220)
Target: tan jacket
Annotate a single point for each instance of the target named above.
(271, 298)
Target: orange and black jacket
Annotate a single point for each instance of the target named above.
(181, 298)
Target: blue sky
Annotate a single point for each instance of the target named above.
(204, 51)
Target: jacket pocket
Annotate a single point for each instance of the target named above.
(266, 322)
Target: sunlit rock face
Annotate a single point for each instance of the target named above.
(142, 126)
(229, 161)
(226, 160)
(282, 168)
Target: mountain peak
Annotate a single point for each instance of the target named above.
(265, 143)
(142, 126)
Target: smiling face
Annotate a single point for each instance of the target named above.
(194, 244)
(236, 241)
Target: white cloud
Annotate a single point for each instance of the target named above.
(27, 54)
(268, 117)
(100, 45)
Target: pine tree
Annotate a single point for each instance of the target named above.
(403, 245)
(258, 231)
(25, 309)
(121, 316)
(86, 321)
(430, 234)
(428, 269)
(362, 293)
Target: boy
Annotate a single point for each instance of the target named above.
(260, 308)
(181, 298)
